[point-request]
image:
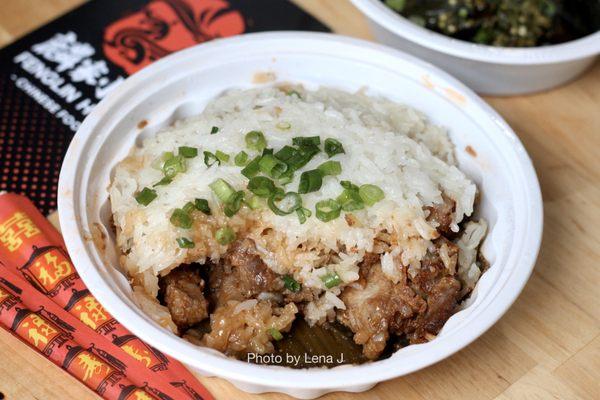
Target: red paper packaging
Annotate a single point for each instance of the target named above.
(33, 249)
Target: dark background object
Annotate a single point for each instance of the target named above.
(99, 44)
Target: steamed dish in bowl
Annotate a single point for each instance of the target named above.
(280, 205)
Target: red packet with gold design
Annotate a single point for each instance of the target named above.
(69, 344)
(32, 248)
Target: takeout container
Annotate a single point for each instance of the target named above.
(180, 85)
(486, 69)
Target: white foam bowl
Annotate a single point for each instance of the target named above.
(180, 85)
(486, 69)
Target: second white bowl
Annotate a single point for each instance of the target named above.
(486, 69)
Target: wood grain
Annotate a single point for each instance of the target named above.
(546, 347)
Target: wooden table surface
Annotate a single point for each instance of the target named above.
(547, 346)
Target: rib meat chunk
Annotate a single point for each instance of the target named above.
(239, 328)
(371, 308)
(441, 214)
(416, 307)
(183, 295)
(241, 275)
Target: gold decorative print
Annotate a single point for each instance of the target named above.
(37, 330)
(17, 227)
(90, 312)
(139, 354)
(51, 268)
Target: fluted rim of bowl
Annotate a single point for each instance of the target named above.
(73, 214)
(379, 13)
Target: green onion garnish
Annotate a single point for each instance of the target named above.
(225, 235)
(202, 205)
(330, 280)
(293, 93)
(234, 203)
(286, 153)
(222, 189)
(241, 159)
(223, 157)
(271, 166)
(327, 210)
(349, 185)
(188, 152)
(254, 202)
(287, 203)
(303, 214)
(333, 147)
(371, 194)
(163, 181)
(330, 168)
(261, 186)
(286, 177)
(252, 168)
(291, 284)
(214, 130)
(189, 207)
(145, 196)
(350, 200)
(185, 243)
(173, 166)
(310, 181)
(309, 141)
(181, 219)
(284, 126)
(159, 162)
(210, 159)
(255, 140)
(274, 332)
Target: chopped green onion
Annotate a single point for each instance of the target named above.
(254, 202)
(303, 214)
(202, 205)
(288, 203)
(163, 181)
(274, 332)
(309, 141)
(333, 147)
(189, 207)
(188, 152)
(284, 126)
(255, 140)
(330, 280)
(271, 166)
(210, 159)
(214, 130)
(286, 153)
(349, 185)
(173, 166)
(181, 219)
(225, 235)
(286, 177)
(301, 157)
(145, 196)
(159, 162)
(223, 157)
(222, 189)
(267, 151)
(330, 168)
(261, 186)
(350, 200)
(371, 194)
(291, 284)
(310, 181)
(252, 168)
(241, 159)
(327, 210)
(185, 243)
(234, 203)
(293, 93)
